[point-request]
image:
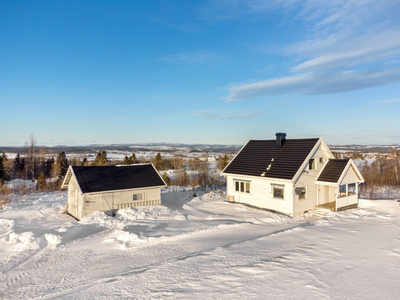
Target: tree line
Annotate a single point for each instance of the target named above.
(48, 171)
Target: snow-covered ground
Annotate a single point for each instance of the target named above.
(197, 247)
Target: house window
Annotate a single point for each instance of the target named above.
(321, 160)
(311, 164)
(303, 194)
(342, 190)
(242, 186)
(351, 189)
(137, 197)
(278, 191)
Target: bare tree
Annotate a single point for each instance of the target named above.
(30, 146)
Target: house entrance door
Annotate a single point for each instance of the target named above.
(324, 194)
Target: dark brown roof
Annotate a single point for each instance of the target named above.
(333, 170)
(99, 179)
(256, 156)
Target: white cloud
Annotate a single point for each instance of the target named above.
(381, 46)
(198, 56)
(222, 114)
(389, 101)
(314, 84)
(343, 37)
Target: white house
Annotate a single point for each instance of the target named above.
(110, 188)
(291, 176)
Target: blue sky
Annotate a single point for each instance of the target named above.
(85, 72)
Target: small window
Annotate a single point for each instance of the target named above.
(351, 189)
(321, 160)
(342, 190)
(303, 194)
(242, 186)
(137, 197)
(278, 192)
(311, 164)
(248, 187)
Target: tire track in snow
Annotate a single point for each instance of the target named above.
(107, 269)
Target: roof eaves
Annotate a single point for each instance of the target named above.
(326, 183)
(165, 184)
(345, 169)
(64, 185)
(222, 172)
(258, 177)
(124, 190)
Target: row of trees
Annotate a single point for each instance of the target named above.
(382, 171)
(49, 171)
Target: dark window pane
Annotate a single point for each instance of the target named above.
(278, 192)
(311, 164)
(342, 190)
(351, 189)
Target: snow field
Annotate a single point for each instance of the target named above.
(199, 248)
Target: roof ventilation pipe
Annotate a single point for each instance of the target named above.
(280, 138)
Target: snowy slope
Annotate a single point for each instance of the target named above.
(199, 248)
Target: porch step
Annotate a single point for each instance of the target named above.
(321, 212)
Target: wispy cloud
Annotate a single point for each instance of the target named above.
(314, 84)
(222, 114)
(198, 56)
(389, 101)
(343, 37)
(358, 51)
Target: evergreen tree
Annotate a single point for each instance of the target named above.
(23, 169)
(133, 159)
(3, 173)
(126, 161)
(48, 163)
(225, 162)
(166, 178)
(17, 166)
(101, 159)
(85, 161)
(62, 165)
(130, 160)
(158, 163)
(41, 182)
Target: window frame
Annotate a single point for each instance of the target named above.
(312, 162)
(342, 193)
(354, 191)
(137, 196)
(305, 194)
(242, 186)
(276, 187)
